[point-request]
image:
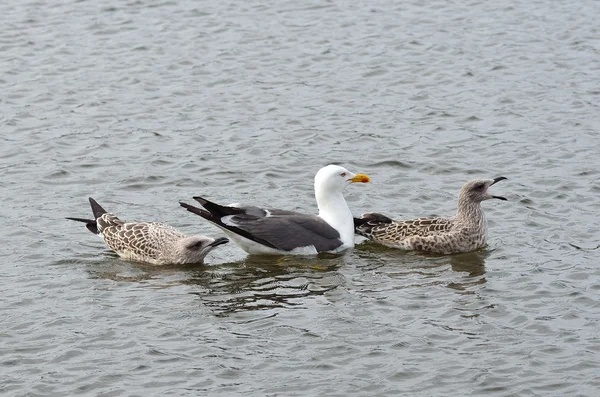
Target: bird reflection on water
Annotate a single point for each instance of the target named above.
(256, 283)
(261, 283)
(430, 268)
(472, 263)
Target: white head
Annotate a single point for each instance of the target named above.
(194, 249)
(334, 178)
(330, 182)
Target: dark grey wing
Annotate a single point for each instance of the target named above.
(287, 232)
(275, 212)
(261, 212)
(273, 228)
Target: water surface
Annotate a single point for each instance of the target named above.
(143, 104)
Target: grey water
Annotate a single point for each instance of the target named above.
(144, 104)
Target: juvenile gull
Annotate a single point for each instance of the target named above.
(466, 231)
(151, 242)
(274, 232)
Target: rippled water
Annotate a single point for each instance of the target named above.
(143, 104)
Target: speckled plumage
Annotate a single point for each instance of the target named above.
(466, 231)
(151, 242)
(142, 241)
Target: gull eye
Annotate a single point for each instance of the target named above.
(343, 174)
(479, 186)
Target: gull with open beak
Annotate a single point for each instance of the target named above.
(465, 231)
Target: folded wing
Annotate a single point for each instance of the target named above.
(277, 229)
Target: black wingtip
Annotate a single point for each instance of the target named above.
(90, 224)
(187, 206)
(201, 200)
(197, 211)
(80, 219)
(365, 224)
(96, 208)
(359, 221)
(214, 213)
(216, 209)
(376, 217)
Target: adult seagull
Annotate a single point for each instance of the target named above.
(263, 231)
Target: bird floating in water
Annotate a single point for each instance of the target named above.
(263, 231)
(465, 231)
(150, 242)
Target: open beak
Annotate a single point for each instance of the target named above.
(500, 178)
(496, 180)
(219, 241)
(360, 178)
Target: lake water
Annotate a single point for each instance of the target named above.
(143, 104)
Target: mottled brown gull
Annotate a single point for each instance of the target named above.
(466, 231)
(274, 232)
(150, 242)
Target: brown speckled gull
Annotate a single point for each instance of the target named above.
(466, 231)
(150, 242)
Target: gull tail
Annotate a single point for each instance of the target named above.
(365, 224)
(91, 224)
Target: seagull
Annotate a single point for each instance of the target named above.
(465, 231)
(262, 231)
(150, 242)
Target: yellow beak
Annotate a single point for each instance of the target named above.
(360, 178)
